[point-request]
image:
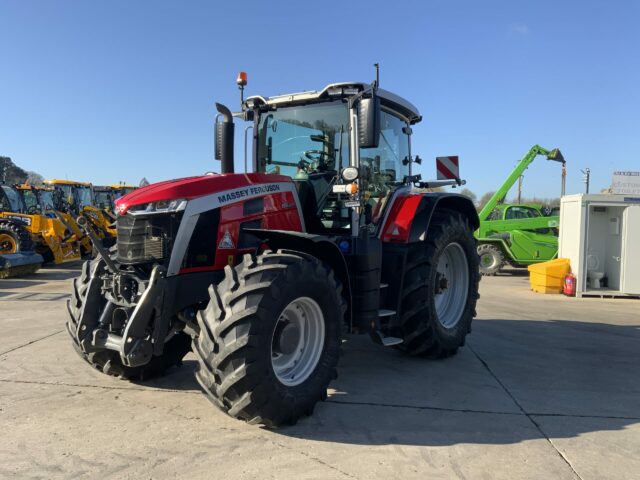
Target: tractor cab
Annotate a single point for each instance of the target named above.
(46, 199)
(120, 189)
(103, 197)
(347, 148)
(10, 200)
(38, 200)
(30, 199)
(71, 196)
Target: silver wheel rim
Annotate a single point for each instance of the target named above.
(452, 285)
(487, 260)
(297, 341)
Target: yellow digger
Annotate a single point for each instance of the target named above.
(103, 197)
(17, 255)
(53, 237)
(120, 189)
(75, 199)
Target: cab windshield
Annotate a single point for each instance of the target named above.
(83, 196)
(13, 198)
(46, 200)
(74, 196)
(30, 200)
(103, 199)
(298, 141)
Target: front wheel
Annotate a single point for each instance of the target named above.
(269, 338)
(14, 238)
(491, 259)
(440, 288)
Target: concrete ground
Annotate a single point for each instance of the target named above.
(547, 387)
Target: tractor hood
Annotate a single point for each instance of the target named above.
(189, 188)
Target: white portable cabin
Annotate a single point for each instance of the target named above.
(600, 235)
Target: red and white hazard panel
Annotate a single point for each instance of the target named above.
(447, 168)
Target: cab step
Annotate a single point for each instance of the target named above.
(382, 339)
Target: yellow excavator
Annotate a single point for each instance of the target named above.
(77, 199)
(120, 189)
(103, 197)
(53, 236)
(17, 255)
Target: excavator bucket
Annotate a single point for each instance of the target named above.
(19, 264)
(556, 155)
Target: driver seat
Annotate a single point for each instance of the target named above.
(310, 190)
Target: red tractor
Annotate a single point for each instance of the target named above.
(260, 274)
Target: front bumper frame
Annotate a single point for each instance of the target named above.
(149, 316)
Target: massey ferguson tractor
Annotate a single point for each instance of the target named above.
(260, 274)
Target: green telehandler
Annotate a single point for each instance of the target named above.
(520, 234)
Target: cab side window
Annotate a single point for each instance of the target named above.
(521, 212)
(495, 215)
(383, 167)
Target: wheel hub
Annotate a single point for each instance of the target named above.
(298, 341)
(442, 283)
(287, 339)
(486, 260)
(7, 244)
(451, 285)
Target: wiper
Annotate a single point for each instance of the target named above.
(340, 150)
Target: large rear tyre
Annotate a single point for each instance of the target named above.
(440, 288)
(109, 361)
(491, 259)
(269, 338)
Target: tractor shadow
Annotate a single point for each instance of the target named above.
(22, 282)
(46, 274)
(513, 272)
(176, 378)
(569, 377)
(59, 272)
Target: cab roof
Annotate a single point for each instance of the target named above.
(338, 90)
(66, 182)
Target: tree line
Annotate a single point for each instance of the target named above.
(12, 174)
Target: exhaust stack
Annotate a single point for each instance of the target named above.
(224, 138)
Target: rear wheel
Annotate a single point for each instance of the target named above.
(109, 361)
(491, 259)
(440, 288)
(269, 338)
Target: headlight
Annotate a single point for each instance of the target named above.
(163, 206)
(349, 174)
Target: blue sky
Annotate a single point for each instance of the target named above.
(118, 90)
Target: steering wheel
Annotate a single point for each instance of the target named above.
(32, 209)
(319, 157)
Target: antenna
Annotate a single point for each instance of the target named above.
(586, 177)
(377, 67)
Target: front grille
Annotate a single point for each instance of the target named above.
(143, 239)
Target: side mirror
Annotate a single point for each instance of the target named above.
(369, 122)
(224, 139)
